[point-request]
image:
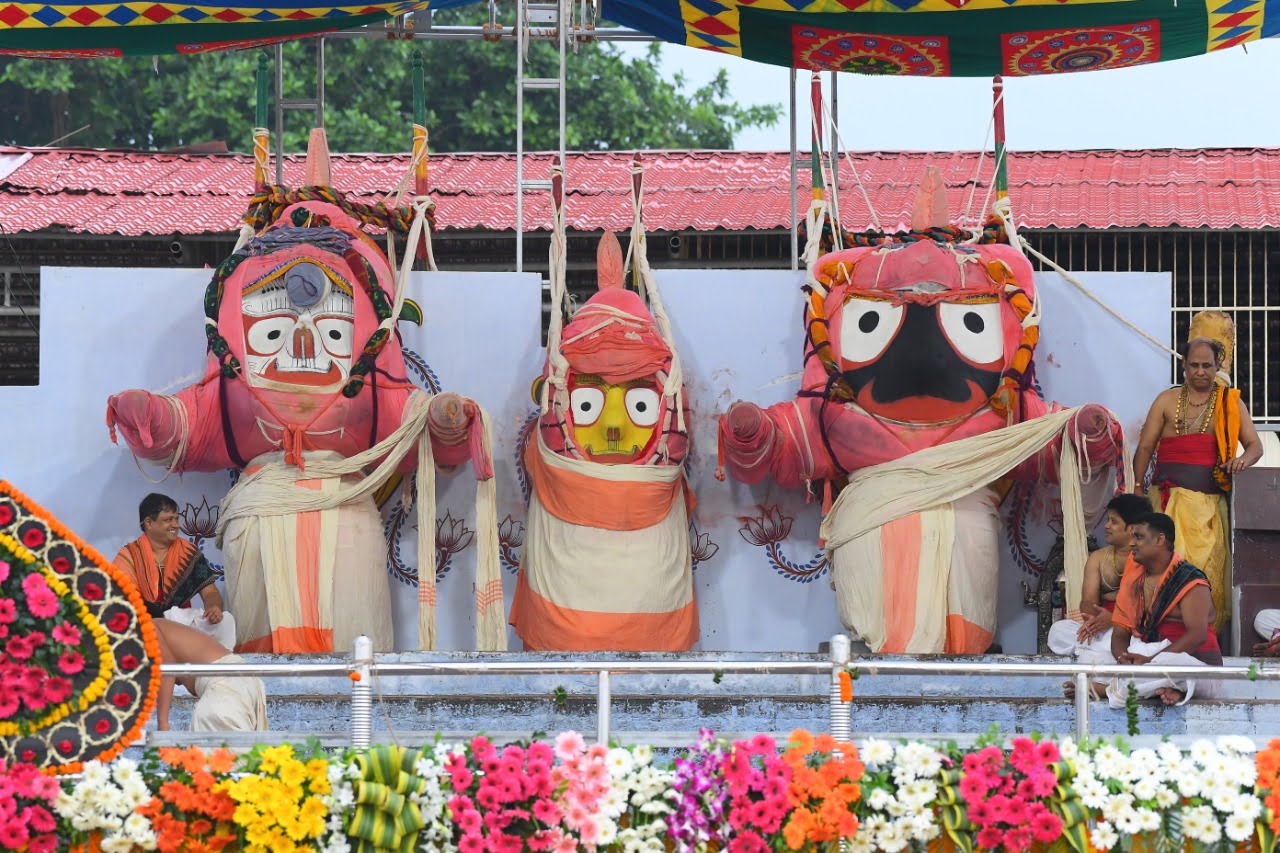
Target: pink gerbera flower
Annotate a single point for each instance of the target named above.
(71, 663)
(1046, 827)
(990, 838)
(43, 605)
(67, 633)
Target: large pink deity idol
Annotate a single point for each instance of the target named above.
(306, 395)
(607, 563)
(918, 388)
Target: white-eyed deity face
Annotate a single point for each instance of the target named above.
(299, 329)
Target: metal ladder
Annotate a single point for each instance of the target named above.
(537, 22)
(315, 104)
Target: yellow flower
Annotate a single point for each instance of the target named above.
(293, 774)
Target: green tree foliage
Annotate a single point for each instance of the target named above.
(616, 99)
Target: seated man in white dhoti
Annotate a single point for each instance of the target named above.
(1163, 617)
(168, 572)
(1267, 624)
(1090, 627)
(230, 703)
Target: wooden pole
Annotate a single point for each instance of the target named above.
(1002, 166)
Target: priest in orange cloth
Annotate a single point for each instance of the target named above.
(1194, 431)
(169, 571)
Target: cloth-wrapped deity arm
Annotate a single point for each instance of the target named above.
(182, 431)
(782, 441)
(1095, 432)
(457, 430)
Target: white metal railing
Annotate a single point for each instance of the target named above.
(364, 666)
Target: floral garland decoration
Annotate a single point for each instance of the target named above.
(27, 799)
(279, 800)
(190, 811)
(823, 790)
(121, 690)
(639, 803)
(899, 789)
(758, 781)
(103, 802)
(1267, 764)
(39, 666)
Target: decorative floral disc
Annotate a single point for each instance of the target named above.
(78, 655)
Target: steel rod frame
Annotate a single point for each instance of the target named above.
(364, 666)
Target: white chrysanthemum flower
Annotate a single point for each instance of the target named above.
(123, 768)
(1249, 806)
(1127, 822)
(1239, 828)
(1192, 823)
(1238, 744)
(608, 831)
(922, 760)
(1166, 798)
(1118, 806)
(875, 823)
(1202, 751)
(1068, 749)
(922, 827)
(1143, 762)
(642, 754)
(1145, 789)
(1224, 800)
(1189, 785)
(1108, 761)
(876, 753)
(1148, 821)
(879, 799)
(891, 839)
(619, 762)
(95, 773)
(1169, 752)
(1103, 837)
(862, 843)
(1212, 832)
(615, 802)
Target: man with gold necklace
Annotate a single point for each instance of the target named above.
(1194, 431)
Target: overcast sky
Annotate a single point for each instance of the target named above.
(1223, 99)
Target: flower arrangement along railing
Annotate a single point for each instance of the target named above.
(809, 794)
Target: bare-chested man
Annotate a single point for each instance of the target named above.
(1193, 431)
(223, 703)
(1091, 627)
(1163, 616)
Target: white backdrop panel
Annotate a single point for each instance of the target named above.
(739, 332)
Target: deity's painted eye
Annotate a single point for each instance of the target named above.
(268, 335)
(587, 405)
(336, 335)
(643, 406)
(867, 326)
(974, 330)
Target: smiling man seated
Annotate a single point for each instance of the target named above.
(1163, 617)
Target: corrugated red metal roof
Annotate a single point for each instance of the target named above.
(140, 193)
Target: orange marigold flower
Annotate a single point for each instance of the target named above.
(222, 760)
(150, 808)
(171, 755)
(801, 740)
(200, 828)
(824, 743)
(203, 780)
(794, 834)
